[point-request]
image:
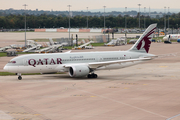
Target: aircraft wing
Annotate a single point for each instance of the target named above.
(100, 64)
(95, 65)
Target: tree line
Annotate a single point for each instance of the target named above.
(52, 21)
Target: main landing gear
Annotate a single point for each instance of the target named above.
(19, 76)
(92, 75)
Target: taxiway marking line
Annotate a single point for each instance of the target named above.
(123, 103)
(173, 117)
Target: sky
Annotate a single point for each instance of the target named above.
(93, 5)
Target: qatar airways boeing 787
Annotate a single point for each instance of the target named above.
(83, 63)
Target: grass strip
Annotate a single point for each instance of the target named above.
(9, 74)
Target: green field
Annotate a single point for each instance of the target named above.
(9, 74)
(3, 54)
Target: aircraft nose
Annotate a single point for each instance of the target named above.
(6, 68)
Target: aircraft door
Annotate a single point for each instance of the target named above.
(100, 59)
(127, 57)
(25, 62)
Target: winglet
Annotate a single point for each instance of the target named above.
(144, 42)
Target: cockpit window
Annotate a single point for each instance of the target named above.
(12, 62)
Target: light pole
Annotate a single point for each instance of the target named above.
(25, 24)
(104, 19)
(177, 29)
(69, 24)
(87, 17)
(149, 12)
(168, 18)
(144, 17)
(125, 17)
(139, 14)
(165, 20)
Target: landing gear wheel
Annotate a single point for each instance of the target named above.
(92, 75)
(95, 76)
(19, 78)
(89, 76)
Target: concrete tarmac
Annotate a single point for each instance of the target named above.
(8, 38)
(142, 92)
(11, 36)
(148, 91)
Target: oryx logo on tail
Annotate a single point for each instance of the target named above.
(144, 42)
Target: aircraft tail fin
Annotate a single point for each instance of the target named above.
(144, 42)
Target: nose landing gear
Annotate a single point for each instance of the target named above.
(19, 76)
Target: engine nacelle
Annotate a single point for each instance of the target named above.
(79, 71)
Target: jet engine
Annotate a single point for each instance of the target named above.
(79, 71)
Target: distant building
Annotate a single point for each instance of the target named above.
(156, 15)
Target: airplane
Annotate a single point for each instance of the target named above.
(85, 46)
(171, 37)
(81, 64)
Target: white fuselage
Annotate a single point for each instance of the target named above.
(172, 37)
(47, 63)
